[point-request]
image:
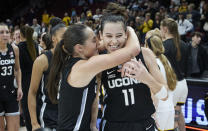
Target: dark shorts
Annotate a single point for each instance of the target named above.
(9, 107)
(48, 116)
(146, 125)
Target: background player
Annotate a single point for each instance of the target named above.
(9, 95)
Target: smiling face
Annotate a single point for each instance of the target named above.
(113, 36)
(4, 34)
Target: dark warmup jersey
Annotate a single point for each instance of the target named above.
(75, 104)
(7, 63)
(48, 112)
(126, 99)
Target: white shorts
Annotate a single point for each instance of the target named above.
(165, 120)
(180, 93)
(165, 113)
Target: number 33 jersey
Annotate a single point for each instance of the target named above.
(126, 99)
(7, 63)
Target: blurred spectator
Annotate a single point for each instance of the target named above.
(43, 28)
(97, 15)
(151, 9)
(91, 2)
(193, 15)
(132, 23)
(157, 20)
(8, 22)
(201, 5)
(173, 12)
(176, 2)
(90, 24)
(83, 17)
(146, 26)
(197, 58)
(163, 12)
(30, 16)
(35, 37)
(74, 13)
(183, 7)
(66, 19)
(45, 18)
(22, 21)
(135, 5)
(184, 26)
(204, 19)
(78, 20)
(138, 22)
(51, 16)
(36, 27)
(131, 15)
(81, 2)
(89, 15)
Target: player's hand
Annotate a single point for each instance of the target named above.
(19, 94)
(134, 69)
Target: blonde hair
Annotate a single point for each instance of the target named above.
(155, 32)
(158, 49)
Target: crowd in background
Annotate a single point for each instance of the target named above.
(143, 16)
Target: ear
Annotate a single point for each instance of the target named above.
(166, 30)
(79, 48)
(53, 39)
(126, 35)
(101, 35)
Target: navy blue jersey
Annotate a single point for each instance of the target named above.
(7, 63)
(75, 104)
(126, 99)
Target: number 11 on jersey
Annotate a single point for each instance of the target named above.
(126, 98)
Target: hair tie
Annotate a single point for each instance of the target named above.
(149, 43)
(61, 42)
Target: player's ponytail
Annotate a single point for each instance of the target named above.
(75, 34)
(156, 45)
(173, 29)
(58, 60)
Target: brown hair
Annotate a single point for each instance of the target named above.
(198, 34)
(27, 33)
(73, 35)
(114, 13)
(173, 29)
